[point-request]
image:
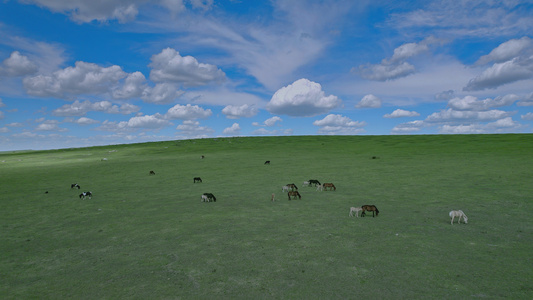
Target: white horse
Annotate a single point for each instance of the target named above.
(319, 187)
(356, 210)
(458, 213)
(285, 188)
(306, 183)
(204, 198)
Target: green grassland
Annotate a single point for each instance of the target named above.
(147, 236)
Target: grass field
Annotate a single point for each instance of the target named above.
(147, 236)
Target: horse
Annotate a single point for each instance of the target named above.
(294, 194)
(197, 179)
(371, 208)
(319, 188)
(86, 194)
(355, 210)
(330, 185)
(306, 183)
(267, 162)
(203, 157)
(209, 197)
(152, 173)
(458, 213)
(75, 185)
(314, 181)
(285, 188)
(292, 186)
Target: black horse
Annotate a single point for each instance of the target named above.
(371, 208)
(197, 179)
(314, 181)
(75, 185)
(210, 197)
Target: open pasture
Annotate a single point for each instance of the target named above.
(145, 236)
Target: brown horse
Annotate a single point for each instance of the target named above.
(330, 186)
(294, 194)
(371, 208)
(292, 186)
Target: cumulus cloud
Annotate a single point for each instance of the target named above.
(83, 78)
(271, 121)
(235, 129)
(303, 98)
(513, 61)
(161, 93)
(49, 125)
(400, 113)
(445, 95)
(82, 108)
(188, 112)
(527, 117)
(369, 101)
(133, 86)
(500, 126)
(192, 129)
(408, 127)
(170, 66)
(82, 11)
(396, 66)
(472, 103)
(451, 115)
(338, 124)
(506, 51)
(86, 121)
(242, 111)
(17, 65)
(527, 101)
(148, 122)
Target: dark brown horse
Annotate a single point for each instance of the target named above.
(371, 208)
(294, 194)
(330, 186)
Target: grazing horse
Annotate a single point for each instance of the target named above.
(285, 188)
(292, 186)
(355, 210)
(75, 185)
(86, 194)
(152, 173)
(209, 197)
(330, 186)
(371, 208)
(458, 213)
(306, 183)
(314, 181)
(319, 188)
(197, 179)
(203, 157)
(294, 194)
(267, 162)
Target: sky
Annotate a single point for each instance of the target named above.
(78, 73)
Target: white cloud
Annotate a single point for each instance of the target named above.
(450, 115)
(49, 125)
(242, 111)
(527, 101)
(192, 129)
(338, 124)
(17, 65)
(84, 78)
(396, 66)
(148, 121)
(263, 131)
(271, 121)
(303, 98)
(527, 117)
(86, 121)
(369, 101)
(472, 103)
(162, 93)
(400, 113)
(170, 66)
(188, 112)
(502, 73)
(500, 126)
(133, 86)
(78, 108)
(506, 51)
(408, 127)
(235, 129)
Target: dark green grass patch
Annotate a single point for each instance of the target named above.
(146, 236)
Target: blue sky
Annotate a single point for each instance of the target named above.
(76, 73)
